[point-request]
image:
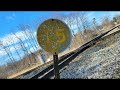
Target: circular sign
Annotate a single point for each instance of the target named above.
(53, 36)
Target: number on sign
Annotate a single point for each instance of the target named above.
(60, 33)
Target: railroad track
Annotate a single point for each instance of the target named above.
(38, 68)
(64, 60)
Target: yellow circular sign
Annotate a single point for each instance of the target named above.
(53, 36)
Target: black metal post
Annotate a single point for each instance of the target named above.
(56, 67)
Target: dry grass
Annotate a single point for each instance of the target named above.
(23, 71)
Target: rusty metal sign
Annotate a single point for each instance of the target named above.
(53, 35)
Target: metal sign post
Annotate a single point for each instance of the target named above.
(56, 66)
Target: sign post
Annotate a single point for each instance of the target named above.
(54, 36)
(56, 67)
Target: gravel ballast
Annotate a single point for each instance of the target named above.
(101, 61)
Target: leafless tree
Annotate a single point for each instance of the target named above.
(11, 40)
(105, 21)
(32, 35)
(71, 24)
(25, 31)
(23, 48)
(94, 24)
(9, 53)
(29, 42)
(84, 19)
(3, 70)
(77, 21)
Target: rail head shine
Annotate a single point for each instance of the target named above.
(53, 35)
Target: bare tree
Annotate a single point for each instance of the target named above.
(3, 70)
(29, 42)
(70, 22)
(23, 48)
(116, 20)
(32, 39)
(8, 52)
(94, 24)
(83, 18)
(106, 21)
(14, 46)
(24, 30)
(77, 21)
(31, 34)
